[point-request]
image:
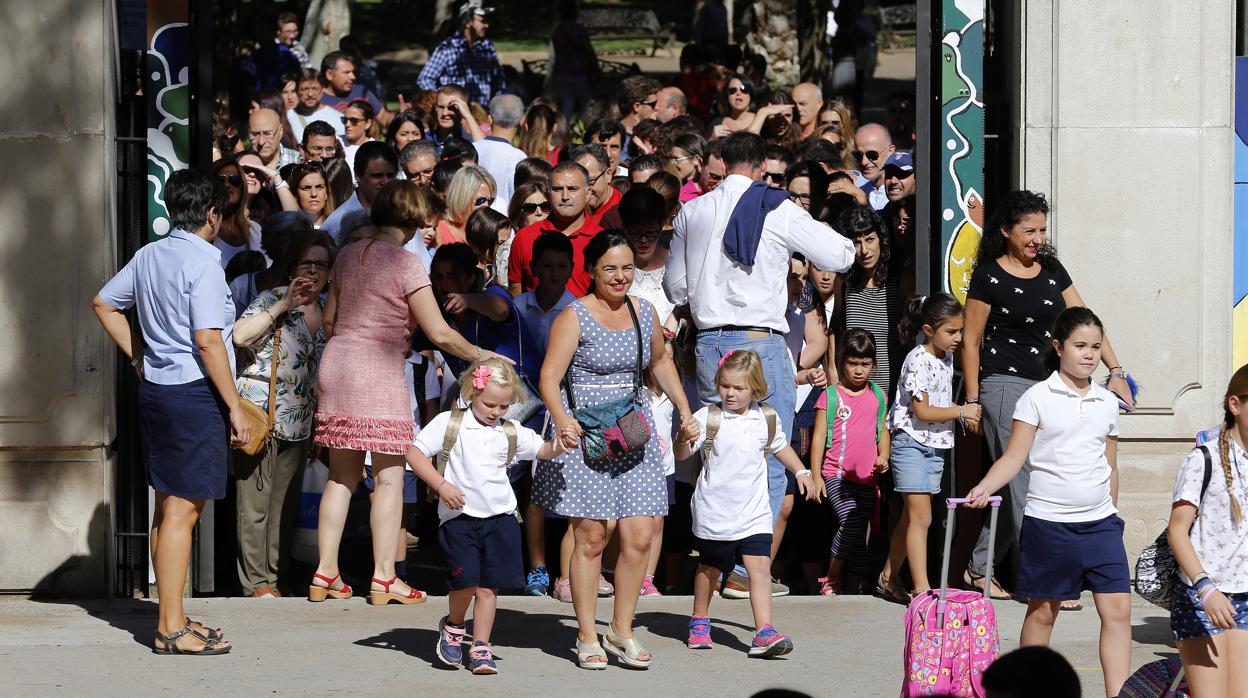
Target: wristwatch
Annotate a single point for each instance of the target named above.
(1117, 372)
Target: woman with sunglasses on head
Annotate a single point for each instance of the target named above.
(358, 120)
(238, 232)
(684, 160)
(735, 102)
(286, 319)
(312, 192)
(470, 189)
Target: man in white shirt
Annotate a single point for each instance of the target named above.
(735, 305)
(310, 108)
(496, 153)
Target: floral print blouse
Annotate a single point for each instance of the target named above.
(299, 353)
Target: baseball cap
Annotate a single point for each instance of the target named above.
(902, 160)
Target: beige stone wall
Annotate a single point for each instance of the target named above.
(1125, 120)
(57, 213)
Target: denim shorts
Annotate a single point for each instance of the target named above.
(1188, 620)
(916, 468)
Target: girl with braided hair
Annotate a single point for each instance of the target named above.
(1209, 536)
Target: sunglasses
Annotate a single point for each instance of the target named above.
(650, 104)
(233, 180)
(871, 155)
(483, 201)
(738, 90)
(774, 177)
(353, 120)
(651, 234)
(529, 208)
(312, 264)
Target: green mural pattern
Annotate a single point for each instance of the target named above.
(962, 141)
(166, 82)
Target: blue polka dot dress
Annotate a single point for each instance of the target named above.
(602, 370)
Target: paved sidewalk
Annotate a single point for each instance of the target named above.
(845, 647)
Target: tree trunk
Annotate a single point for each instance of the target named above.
(812, 39)
(773, 35)
(327, 22)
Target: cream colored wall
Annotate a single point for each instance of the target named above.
(1126, 122)
(57, 188)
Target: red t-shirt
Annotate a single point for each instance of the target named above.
(520, 263)
(613, 203)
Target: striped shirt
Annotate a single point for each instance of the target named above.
(870, 309)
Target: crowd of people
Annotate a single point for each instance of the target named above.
(678, 327)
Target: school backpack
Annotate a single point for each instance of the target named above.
(1160, 679)
(714, 416)
(1156, 569)
(452, 435)
(834, 400)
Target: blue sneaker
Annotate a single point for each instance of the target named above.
(770, 643)
(538, 582)
(482, 659)
(450, 637)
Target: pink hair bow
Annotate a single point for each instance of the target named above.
(725, 358)
(480, 376)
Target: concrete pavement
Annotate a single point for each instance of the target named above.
(849, 646)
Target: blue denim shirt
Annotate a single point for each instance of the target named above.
(178, 286)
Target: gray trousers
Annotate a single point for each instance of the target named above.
(998, 395)
(268, 499)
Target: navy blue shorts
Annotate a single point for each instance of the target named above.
(1188, 619)
(1057, 561)
(671, 492)
(723, 554)
(482, 552)
(186, 439)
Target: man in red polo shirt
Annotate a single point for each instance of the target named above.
(569, 198)
(604, 199)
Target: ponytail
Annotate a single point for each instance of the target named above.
(1238, 387)
(933, 311)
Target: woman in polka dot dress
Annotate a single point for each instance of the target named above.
(594, 343)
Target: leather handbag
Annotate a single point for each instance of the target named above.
(261, 421)
(617, 428)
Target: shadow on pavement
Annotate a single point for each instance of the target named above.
(676, 627)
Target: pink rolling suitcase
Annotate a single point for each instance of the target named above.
(951, 634)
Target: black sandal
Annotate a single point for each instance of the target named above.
(168, 644)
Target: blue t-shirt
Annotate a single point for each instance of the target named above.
(510, 337)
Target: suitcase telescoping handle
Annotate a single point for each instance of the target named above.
(952, 504)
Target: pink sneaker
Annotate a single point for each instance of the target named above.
(562, 590)
(828, 587)
(699, 634)
(605, 588)
(648, 588)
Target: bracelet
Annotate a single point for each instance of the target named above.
(272, 320)
(961, 413)
(1199, 576)
(281, 185)
(971, 401)
(1114, 368)
(1204, 598)
(802, 472)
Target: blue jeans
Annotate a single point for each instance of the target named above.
(777, 369)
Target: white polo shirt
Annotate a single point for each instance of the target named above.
(476, 464)
(1069, 472)
(731, 500)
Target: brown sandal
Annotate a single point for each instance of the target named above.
(168, 644)
(889, 591)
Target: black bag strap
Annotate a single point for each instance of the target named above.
(1204, 484)
(567, 376)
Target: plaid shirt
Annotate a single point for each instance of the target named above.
(288, 156)
(474, 68)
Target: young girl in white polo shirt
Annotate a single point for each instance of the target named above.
(1066, 432)
(731, 510)
(477, 529)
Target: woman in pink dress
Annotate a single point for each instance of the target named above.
(379, 293)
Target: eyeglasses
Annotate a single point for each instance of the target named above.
(232, 180)
(253, 135)
(776, 178)
(871, 155)
(353, 120)
(312, 264)
(802, 200)
(483, 201)
(738, 90)
(322, 150)
(594, 180)
(529, 208)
